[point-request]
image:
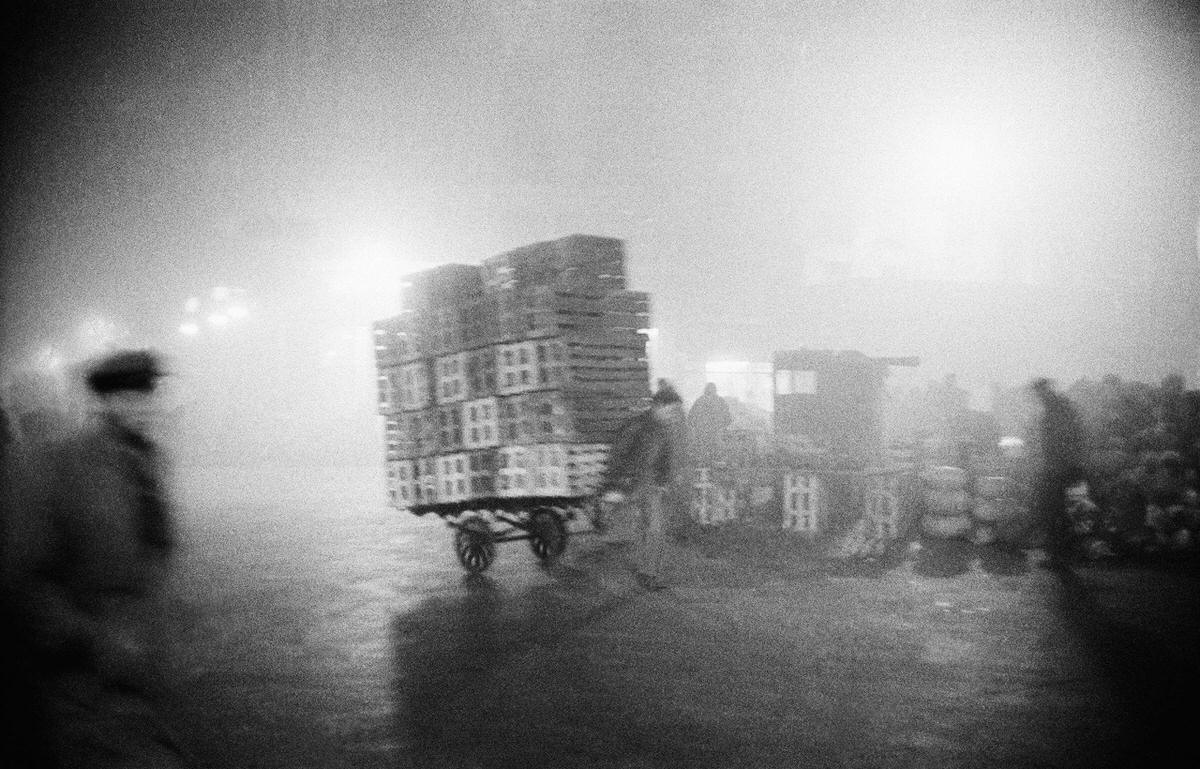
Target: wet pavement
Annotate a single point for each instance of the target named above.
(319, 628)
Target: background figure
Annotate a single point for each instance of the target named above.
(1061, 451)
(645, 461)
(707, 421)
(88, 543)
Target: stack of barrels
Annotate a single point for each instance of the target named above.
(984, 509)
(947, 497)
(995, 509)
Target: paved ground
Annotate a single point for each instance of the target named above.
(321, 629)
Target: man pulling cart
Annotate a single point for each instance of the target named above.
(503, 385)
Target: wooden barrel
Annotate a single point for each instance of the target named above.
(947, 502)
(983, 534)
(993, 486)
(946, 526)
(944, 477)
(993, 510)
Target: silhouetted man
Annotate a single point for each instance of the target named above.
(1062, 447)
(708, 420)
(645, 461)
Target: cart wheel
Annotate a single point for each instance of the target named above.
(474, 545)
(548, 535)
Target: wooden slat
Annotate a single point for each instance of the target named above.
(580, 364)
(628, 388)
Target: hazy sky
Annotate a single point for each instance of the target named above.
(309, 152)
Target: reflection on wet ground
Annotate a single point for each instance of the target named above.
(327, 635)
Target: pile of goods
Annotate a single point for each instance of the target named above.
(509, 378)
(986, 509)
(947, 503)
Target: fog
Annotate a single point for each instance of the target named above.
(1001, 188)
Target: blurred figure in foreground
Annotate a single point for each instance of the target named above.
(644, 462)
(1061, 444)
(88, 540)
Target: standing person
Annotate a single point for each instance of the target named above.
(707, 420)
(645, 460)
(1062, 444)
(88, 546)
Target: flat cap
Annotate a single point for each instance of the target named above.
(665, 395)
(125, 370)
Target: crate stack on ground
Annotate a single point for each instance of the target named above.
(508, 379)
(888, 499)
(714, 496)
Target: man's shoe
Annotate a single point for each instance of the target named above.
(649, 582)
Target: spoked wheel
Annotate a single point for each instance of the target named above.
(474, 545)
(548, 536)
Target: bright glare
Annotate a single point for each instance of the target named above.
(96, 333)
(192, 305)
(237, 311)
(218, 319)
(220, 293)
(953, 159)
(958, 153)
(189, 329)
(368, 275)
(49, 359)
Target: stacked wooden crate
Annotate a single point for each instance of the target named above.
(508, 379)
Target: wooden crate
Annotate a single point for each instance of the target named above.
(579, 262)
(385, 401)
(453, 477)
(450, 378)
(516, 367)
(401, 483)
(412, 386)
(481, 423)
(586, 463)
(449, 421)
(481, 468)
(804, 502)
(412, 434)
(714, 497)
(481, 372)
(400, 441)
(448, 285)
(425, 484)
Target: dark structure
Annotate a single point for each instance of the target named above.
(833, 399)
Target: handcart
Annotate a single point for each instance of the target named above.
(480, 524)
